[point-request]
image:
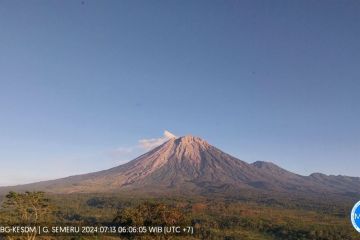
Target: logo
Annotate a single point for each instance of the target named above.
(355, 216)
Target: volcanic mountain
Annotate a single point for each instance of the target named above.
(190, 164)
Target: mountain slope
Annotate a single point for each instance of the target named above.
(190, 164)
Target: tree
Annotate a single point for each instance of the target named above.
(149, 214)
(27, 208)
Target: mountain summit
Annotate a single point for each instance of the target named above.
(190, 164)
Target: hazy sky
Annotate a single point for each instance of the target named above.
(81, 82)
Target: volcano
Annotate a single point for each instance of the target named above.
(190, 164)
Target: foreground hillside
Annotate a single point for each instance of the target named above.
(212, 218)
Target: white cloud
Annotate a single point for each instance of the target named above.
(151, 143)
(124, 154)
(124, 150)
(78, 164)
(169, 135)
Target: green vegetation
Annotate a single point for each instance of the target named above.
(212, 218)
(28, 207)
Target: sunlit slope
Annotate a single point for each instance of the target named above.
(190, 164)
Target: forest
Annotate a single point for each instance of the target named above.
(265, 218)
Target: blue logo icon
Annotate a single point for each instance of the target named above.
(355, 216)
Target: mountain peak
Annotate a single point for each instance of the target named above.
(264, 164)
(191, 140)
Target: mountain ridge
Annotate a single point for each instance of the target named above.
(191, 164)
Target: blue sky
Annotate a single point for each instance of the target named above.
(81, 82)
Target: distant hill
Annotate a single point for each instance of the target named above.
(191, 165)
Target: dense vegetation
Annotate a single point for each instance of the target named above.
(211, 218)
